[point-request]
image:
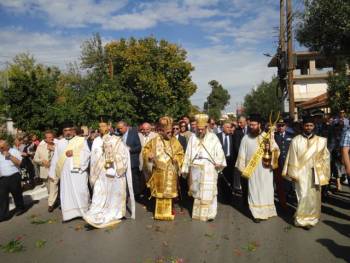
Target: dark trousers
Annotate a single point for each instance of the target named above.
(244, 185)
(280, 187)
(10, 184)
(137, 182)
(225, 182)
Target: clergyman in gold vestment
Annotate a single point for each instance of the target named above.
(308, 165)
(163, 156)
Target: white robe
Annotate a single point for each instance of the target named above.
(199, 163)
(74, 192)
(108, 204)
(260, 184)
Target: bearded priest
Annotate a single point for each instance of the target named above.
(308, 165)
(257, 167)
(69, 166)
(163, 156)
(204, 159)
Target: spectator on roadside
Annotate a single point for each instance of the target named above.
(212, 127)
(342, 118)
(42, 157)
(184, 130)
(193, 126)
(10, 180)
(178, 136)
(27, 164)
(131, 139)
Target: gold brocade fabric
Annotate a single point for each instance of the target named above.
(256, 159)
(308, 155)
(164, 209)
(76, 145)
(168, 159)
(308, 164)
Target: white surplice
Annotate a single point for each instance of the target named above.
(109, 199)
(260, 184)
(200, 159)
(74, 192)
(308, 164)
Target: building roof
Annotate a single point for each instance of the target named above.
(302, 57)
(320, 101)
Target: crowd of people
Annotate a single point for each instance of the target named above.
(99, 175)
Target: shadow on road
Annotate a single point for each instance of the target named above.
(339, 251)
(343, 229)
(332, 212)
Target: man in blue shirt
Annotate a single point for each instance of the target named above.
(345, 151)
(10, 180)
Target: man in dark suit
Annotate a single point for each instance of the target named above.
(225, 182)
(181, 139)
(283, 139)
(237, 138)
(183, 181)
(131, 139)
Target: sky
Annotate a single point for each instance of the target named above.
(225, 39)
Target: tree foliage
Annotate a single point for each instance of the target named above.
(325, 27)
(339, 92)
(217, 100)
(31, 93)
(153, 75)
(263, 99)
(134, 80)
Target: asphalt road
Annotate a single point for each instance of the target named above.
(232, 237)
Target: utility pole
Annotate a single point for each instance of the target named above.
(282, 40)
(290, 60)
(281, 54)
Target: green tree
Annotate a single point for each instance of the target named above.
(217, 100)
(339, 91)
(153, 75)
(263, 99)
(325, 27)
(31, 93)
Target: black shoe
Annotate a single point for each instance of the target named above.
(50, 209)
(210, 220)
(307, 227)
(257, 220)
(20, 211)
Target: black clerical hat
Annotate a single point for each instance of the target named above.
(67, 124)
(255, 117)
(308, 119)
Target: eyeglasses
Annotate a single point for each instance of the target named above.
(176, 128)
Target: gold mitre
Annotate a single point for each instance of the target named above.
(202, 120)
(166, 123)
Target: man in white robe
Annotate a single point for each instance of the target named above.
(260, 177)
(204, 158)
(110, 176)
(308, 165)
(69, 165)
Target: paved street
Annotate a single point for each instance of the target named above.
(232, 237)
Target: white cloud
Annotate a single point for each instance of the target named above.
(256, 26)
(150, 14)
(108, 15)
(237, 70)
(50, 49)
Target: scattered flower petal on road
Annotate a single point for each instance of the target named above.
(40, 243)
(13, 246)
